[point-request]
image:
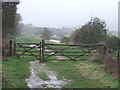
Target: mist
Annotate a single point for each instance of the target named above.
(68, 13)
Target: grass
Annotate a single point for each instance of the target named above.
(28, 39)
(83, 74)
(43, 76)
(15, 71)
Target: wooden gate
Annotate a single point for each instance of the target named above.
(45, 51)
(25, 49)
(70, 51)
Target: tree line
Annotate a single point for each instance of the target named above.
(10, 20)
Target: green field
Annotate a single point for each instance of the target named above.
(83, 74)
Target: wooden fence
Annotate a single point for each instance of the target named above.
(45, 51)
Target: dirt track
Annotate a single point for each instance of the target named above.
(34, 81)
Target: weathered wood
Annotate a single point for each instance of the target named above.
(14, 48)
(10, 46)
(56, 51)
(74, 44)
(67, 52)
(66, 55)
(105, 49)
(26, 55)
(43, 49)
(28, 43)
(60, 53)
(26, 46)
(28, 51)
(60, 59)
(65, 59)
(40, 52)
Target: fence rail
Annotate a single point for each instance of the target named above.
(46, 51)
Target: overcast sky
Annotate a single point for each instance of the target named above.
(68, 13)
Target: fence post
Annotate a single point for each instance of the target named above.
(10, 46)
(43, 48)
(40, 51)
(14, 53)
(105, 49)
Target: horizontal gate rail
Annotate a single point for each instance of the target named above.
(30, 51)
(68, 55)
(74, 44)
(27, 55)
(27, 43)
(28, 47)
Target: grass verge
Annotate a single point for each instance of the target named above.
(83, 74)
(15, 71)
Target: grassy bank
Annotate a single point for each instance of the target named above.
(15, 71)
(83, 74)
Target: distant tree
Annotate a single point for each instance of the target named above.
(38, 31)
(18, 26)
(93, 32)
(29, 28)
(47, 34)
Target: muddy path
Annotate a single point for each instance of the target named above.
(34, 81)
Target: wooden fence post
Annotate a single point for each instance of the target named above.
(40, 51)
(14, 48)
(105, 49)
(43, 48)
(10, 46)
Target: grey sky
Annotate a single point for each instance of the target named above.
(68, 13)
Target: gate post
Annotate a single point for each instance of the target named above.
(14, 53)
(105, 49)
(10, 46)
(43, 48)
(40, 51)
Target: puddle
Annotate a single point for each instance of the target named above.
(56, 41)
(35, 82)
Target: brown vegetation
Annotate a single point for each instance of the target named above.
(110, 65)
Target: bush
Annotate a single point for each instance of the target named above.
(92, 32)
(112, 42)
